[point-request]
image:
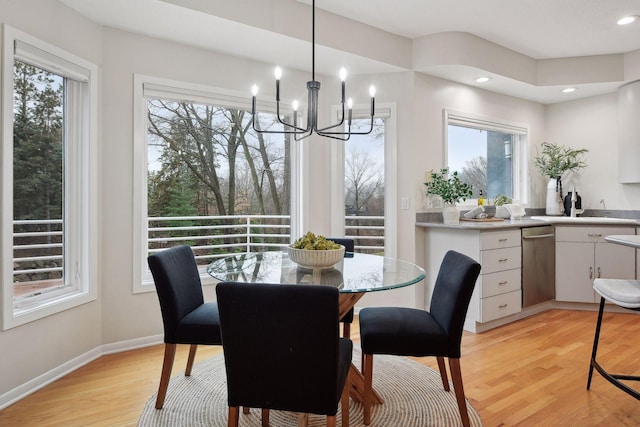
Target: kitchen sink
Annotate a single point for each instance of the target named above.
(585, 220)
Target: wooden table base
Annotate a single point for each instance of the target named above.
(356, 379)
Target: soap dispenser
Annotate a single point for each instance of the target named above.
(567, 203)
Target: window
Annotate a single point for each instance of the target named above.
(369, 183)
(364, 186)
(211, 181)
(487, 154)
(48, 146)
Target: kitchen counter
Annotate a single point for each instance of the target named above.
(493, 225)
(579, 245)
(533, 221)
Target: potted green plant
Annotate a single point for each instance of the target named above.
(553, 162)
(451, 189)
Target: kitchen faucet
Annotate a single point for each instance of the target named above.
(604, 207)
(574, 199)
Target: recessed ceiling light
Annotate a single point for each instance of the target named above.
(569, 90)
(482, 79)
(627, 20)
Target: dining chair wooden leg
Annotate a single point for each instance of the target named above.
(234, 416)
(331, 421)
(265, 417)
(443, 373)
(165, 376)
(368, 387)
(456, 376)
(192, 357)
(345, 403)
(346, 330)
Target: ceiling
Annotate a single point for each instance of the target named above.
(541, 30)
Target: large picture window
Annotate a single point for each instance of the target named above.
(47, 155)
(211, 181)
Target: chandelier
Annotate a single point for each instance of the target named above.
(313, 90)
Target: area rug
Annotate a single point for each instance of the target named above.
(413, 397)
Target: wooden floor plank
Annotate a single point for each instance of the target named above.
(529, 373)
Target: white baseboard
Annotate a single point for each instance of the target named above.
(47, 378)
(133, 344)
(58, 372)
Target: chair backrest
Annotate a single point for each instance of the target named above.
(349, 244)
(177, 280)
(451, 295)
(281, 346)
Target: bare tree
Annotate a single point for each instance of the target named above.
(211, 142)
(475, 173)
(364, 180)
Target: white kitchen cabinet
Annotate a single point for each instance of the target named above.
(498, 291)
(583, 255)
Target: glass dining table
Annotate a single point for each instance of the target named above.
(354, 276)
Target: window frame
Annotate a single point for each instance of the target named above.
(80, 179)
(144, 86)
(519, 149)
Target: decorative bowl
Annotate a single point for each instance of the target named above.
(316, 258)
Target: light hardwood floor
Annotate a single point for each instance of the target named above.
(531, 373)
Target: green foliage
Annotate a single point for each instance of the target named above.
(501, 199)
(556, 160)
(317, 243)
(451, 189)
(231, 169)
(37, 143)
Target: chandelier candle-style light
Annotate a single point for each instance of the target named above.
(313, 90)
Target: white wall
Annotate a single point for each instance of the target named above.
(37, 348)
(592, 123)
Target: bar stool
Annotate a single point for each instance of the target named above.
(626, 294)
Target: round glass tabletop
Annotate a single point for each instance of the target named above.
(356, 273)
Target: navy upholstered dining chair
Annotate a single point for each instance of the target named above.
(349, 249)
(412, 332)
(187, 319)
(283, 351)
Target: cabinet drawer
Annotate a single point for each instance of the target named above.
(589, 234)
(500, 259)
(499, 239)
(501, 282)
(500, 306)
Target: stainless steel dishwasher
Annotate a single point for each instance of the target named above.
(538, 265)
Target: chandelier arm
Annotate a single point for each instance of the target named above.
(296, 138)
(333, 126)
(282, 122)
(345, 138)
(341, 136)
(291, 132)
(367, 132)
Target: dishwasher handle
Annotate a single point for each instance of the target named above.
(539, 236)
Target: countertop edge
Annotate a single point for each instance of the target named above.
(470, 225)
(521, 223)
